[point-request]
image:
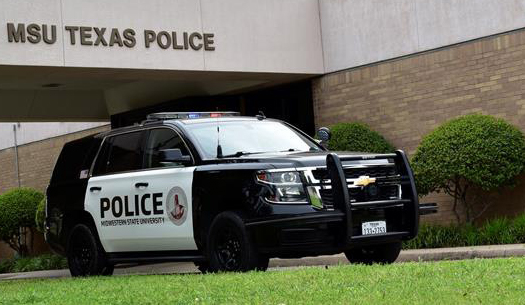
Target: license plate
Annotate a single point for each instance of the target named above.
(373, 227)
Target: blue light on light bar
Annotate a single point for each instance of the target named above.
(189, 115)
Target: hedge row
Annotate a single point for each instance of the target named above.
(497, 231)
(27, 264)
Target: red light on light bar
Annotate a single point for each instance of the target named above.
(215, 115)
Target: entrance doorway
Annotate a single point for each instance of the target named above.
(291, 103)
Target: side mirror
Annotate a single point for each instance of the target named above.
(324, 134)
(173, 155)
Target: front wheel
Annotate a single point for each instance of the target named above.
(377, 254)
(230, 247)
(84, 256)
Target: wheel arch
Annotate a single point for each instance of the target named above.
(74, 218)
(215, 192)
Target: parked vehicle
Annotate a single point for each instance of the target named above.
(226, 192)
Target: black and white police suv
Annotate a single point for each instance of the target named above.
(226, 192)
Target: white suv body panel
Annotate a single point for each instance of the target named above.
(163, 234)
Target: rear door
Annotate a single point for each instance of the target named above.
(111, 189)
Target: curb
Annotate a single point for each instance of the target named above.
(514, 250)
(420, 255)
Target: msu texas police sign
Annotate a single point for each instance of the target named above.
(110, 37)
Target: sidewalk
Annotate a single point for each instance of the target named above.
(278, 264)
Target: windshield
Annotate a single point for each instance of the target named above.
(244, 137)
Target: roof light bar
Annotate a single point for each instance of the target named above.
(189, 115)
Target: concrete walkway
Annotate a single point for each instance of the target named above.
(278, 264)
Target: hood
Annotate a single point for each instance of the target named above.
(301, 159)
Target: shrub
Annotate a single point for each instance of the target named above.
(493, 232)
(518, 228)
(466, 156)
(42, 262)
(5, 266)
(40, 215)
(27, 264)
(497, 231)
(17, 211)
(357, 137)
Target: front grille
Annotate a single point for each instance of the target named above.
(327, 198)
(370, 193)
(373, 193)
(356, 172)
(386, 186)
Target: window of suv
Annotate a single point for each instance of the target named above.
(120, 153)
(248, 136)
(158, 140)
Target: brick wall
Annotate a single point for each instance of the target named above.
(36, 162)
(406, 98)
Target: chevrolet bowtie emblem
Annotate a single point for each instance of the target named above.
(364, 181)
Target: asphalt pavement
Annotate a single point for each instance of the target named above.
(421, 255)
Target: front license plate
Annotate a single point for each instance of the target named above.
(373, 227)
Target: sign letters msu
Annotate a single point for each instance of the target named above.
(110, 37)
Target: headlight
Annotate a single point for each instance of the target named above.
(286, 187)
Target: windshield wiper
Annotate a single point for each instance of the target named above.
(239, 153)
(295, 149)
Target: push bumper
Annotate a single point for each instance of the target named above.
(410, 203)
(325, 229)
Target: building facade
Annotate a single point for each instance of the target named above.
(402, 66)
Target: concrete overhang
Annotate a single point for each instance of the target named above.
(94, 94)
(82, 60)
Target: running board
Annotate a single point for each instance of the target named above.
(154, 257)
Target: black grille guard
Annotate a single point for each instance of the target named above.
(341, 197)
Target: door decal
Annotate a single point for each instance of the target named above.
(177, 206)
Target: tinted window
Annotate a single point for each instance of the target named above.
(102, 158)
(75, 157)
(120, 153)
(159, 139)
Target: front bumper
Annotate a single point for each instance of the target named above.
(326, 232)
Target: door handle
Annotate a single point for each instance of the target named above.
(141, 184)
(95, 188)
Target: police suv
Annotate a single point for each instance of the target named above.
(226, 192)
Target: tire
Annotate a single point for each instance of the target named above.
(108, 270)
(230, 247)
(378, 254)
(203, 266)
(84, 255)
(264, 261)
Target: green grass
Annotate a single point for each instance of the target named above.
(492, 281)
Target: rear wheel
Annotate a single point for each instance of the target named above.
(84, 255)
(230, 247)
(377, 254)
(203, 266)
(108, 269)
(264, 261)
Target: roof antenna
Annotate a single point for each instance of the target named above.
(260, 116)
(219, 148)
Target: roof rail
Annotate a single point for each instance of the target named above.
(159, 116)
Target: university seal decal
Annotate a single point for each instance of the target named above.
(177, 206)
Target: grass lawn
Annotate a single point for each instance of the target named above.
(470, 281)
